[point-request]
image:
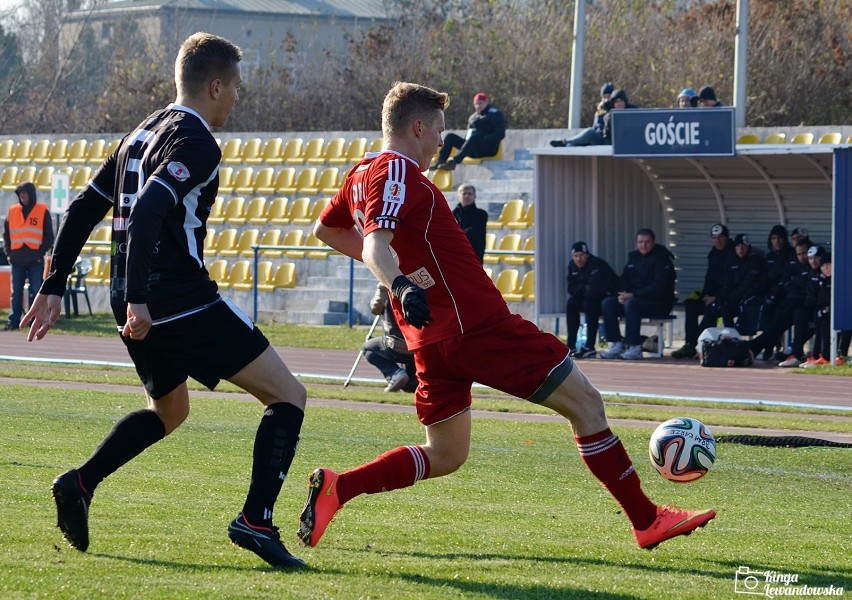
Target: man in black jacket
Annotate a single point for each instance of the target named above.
(590, 280)
(472, 219)
(646, 289)
(747, 284)
(486, 127)
(719, 261)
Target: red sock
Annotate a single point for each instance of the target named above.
(607, 459)
(397, 468)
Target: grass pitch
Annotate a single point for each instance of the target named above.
(522, 519)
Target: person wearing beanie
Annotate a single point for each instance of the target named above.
(618, 101)
(687, 98)
(707, 98)
(590, 280)
(486, 128)
(720, 259)
(27, 237)
(591, 136)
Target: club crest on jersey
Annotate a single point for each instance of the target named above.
(394, 192)
(178, 170)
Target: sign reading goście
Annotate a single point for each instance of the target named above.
(673, 132)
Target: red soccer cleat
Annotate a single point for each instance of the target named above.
(671, 522)
(321, 506)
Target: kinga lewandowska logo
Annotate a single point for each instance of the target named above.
(773, 584)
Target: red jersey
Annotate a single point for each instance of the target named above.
(388, 191)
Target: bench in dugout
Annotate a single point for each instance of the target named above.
(664, 331)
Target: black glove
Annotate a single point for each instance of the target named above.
(413, 300)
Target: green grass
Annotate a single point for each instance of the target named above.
(522, 519)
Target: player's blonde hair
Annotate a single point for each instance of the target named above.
(406, 102)
(202, 58)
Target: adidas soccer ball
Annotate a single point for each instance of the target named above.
(682, 449)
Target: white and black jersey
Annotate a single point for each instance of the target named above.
(160, 183)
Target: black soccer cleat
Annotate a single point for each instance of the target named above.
(263, 541)
(72, 509)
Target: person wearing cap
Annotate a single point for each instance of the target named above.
(720, 259)
(472, 219)
(707, 98)
(807, 319)
(591, 136)
(590, 280)
(747, 284)
(800, 233)
(822, 315)
(486, 128)
(646, 288)
(27, 237)
(687, 98)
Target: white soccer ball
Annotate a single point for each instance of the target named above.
(682, 449)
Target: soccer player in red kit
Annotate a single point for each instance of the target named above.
(391, 217)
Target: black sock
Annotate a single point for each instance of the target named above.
(128, 438)
(274, 449)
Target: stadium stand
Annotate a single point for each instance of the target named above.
(7, 152)
(58, 152)
(43, 179)
(239, 276)
(299, 211)
(526, 221)
(335, 150)
(77, 152)
(327, 181)
(272, 154)
(226, 240)
(231, 151)
(251, 153)
(294, 151)
(525, 291)
(218, 271)
(355, 151)
(256, 211)
(235, 213)
(507, 282)
(263, 180)
(226, 175)
(285, 181)
(832, 137)
(314, 151)
(748, 138)
(271, 237)
(285, 277)
(9, 179)
(41, 152)
(276, 214)
(96, 151)
(775, 138)
(23, 151)
(243, 181)
(243, 247)
(306, 181)
(442, 179)
(521, 259)
(512, 211)
(803, 138)
(80, 177)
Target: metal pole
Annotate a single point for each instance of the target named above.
(576, 93)
(254, 282)
(741, 63)
(361, 352)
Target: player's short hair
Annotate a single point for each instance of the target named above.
(406, 102)
(202, 58)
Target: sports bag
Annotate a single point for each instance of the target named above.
(726, 352)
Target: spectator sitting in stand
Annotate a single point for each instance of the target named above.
(719, 261)
(472, 219)
(646, 289)
(687, 98)
(618, 100)
(707, 98)
(486, 128)
(389, 353)
(590, 280)
(592, 136)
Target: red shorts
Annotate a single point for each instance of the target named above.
(507, 353)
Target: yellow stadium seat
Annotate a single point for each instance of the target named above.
(293, 239)
(235, 210)
(833, 137)
(256, 210)
(748, 138)
(271, 154)
(285, 276)
(239, 276)
(263, 276)
(526, 221)
(490, 241)
(314, 151)
(276, 214)
(512, 211)
(252, 150)
(210, 242)
(511, 242)
(803, 138)
(306, 218)
(306, 181)
(77, 152)
(775, 138)
(849, 139)
(7, 152)
(26, 174)
(101, 234)
(43, 179)
(285, 181)
(316, 210)
(226, 241)
(41, 152)
(231, 151)
(264, 181)
(334, 150)
(327, 181)
(111, 147)
(218, 272)
(519, 259)
(9, 179)
(242, 182)
(59, 152)
(92, 277)
(469, 160)
(507, 282)
(271, 237)
(217, 212)
(23, 151)
(294, 151)
(376, 145)
(80, 177)
(226, 175)
(525, 291)
(243, 247)
(442, 179)
(355, 151)
(96, 151)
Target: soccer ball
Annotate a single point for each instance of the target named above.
(682, 449)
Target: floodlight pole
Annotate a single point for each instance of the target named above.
(576, 95)
(741, 63)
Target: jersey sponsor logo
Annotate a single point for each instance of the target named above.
(386, 221)
(178, 170)
(421, 277)
(119, 224)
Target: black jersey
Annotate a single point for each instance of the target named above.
(160, 182)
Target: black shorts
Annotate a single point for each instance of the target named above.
(212, 344)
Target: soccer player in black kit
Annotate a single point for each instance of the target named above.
(160, 184)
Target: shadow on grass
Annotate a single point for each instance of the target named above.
(206, 568)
